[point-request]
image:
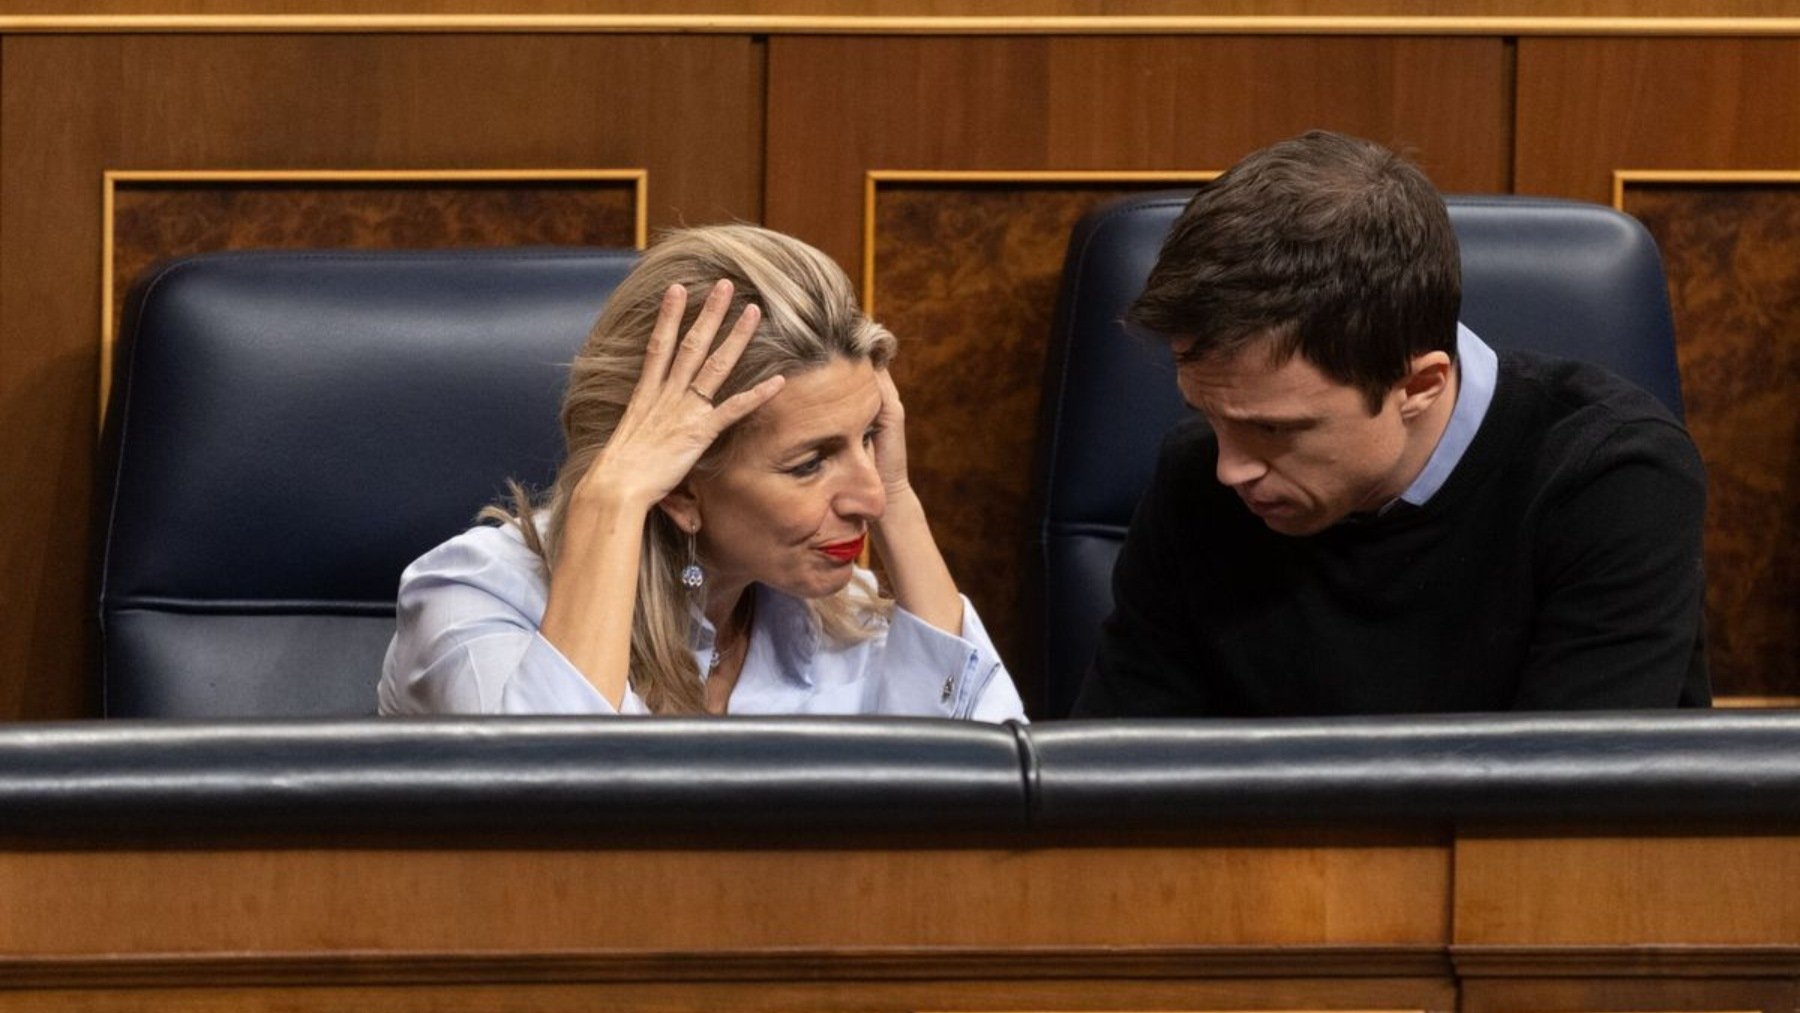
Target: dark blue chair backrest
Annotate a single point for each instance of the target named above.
(1574, 280)
(288, 430)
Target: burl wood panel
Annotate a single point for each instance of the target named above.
(966, 276)
(1589, 106)
(839, 106)
(687, 109)
(156, 220)
(1732, 253)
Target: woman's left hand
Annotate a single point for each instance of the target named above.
(921, 582)
(890, 438)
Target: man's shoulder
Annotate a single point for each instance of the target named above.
(1562, 389)
(1563, 406)
(1572, 421)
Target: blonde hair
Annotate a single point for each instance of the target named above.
(809, 317)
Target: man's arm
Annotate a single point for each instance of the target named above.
(1619, 579)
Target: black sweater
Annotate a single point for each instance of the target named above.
(1557, 568)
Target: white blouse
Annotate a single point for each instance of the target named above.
(467, 642)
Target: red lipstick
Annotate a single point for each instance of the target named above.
(845, 552)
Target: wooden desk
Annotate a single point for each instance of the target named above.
(1554, 919)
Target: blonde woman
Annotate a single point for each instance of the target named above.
(733, 441)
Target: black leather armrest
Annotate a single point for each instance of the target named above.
(1713, 765)
(502, 777)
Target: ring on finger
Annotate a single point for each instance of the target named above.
(702, 395)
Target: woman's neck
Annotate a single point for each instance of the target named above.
(722, 603)
(731, 616)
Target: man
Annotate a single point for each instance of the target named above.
(1372, 511)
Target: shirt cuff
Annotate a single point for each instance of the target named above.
(546, 682)
(928, 671)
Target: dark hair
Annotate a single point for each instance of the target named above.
(1332, 246)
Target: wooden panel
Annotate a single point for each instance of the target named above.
(692, 901)
(1692, 891)
(1732, 252)
(872, 996)
(73, 107)
(841, 106)
(967, 273)
(967, 277)
(1589, 106)
(1608, 996)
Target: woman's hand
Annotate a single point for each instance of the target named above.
(922, 583)
(668, 424)
(890, 439)
(672, 419)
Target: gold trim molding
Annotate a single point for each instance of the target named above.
(776, 24)
(1622, 178)
(875, 178)
(112, 178)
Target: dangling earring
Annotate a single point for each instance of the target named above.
(691, 574)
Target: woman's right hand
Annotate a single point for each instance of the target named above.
(668, 424)
(671, 419)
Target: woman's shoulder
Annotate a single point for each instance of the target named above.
(483, 550)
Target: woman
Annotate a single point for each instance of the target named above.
(733, 441)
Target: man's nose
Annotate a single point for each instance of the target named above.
(1237, 467)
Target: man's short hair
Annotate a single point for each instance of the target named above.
(1335, 247)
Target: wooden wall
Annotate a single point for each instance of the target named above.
(777, 121)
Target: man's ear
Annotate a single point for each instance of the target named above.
(1431, 378)
(682, 507)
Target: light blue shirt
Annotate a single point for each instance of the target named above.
(1478, 369)
(467, 642)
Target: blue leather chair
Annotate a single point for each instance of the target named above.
(1570, 279)
(287, 431)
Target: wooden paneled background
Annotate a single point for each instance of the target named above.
(749, 110)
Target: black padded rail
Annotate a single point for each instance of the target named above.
(1703, 765)
(727, 782)
(121, 782)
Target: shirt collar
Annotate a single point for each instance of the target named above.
(1477, 371)
(783, 637)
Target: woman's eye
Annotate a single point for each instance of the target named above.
(870, 434)
(807, 468)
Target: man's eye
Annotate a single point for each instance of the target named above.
(870, 434)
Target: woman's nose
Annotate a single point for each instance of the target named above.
(863, 495)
